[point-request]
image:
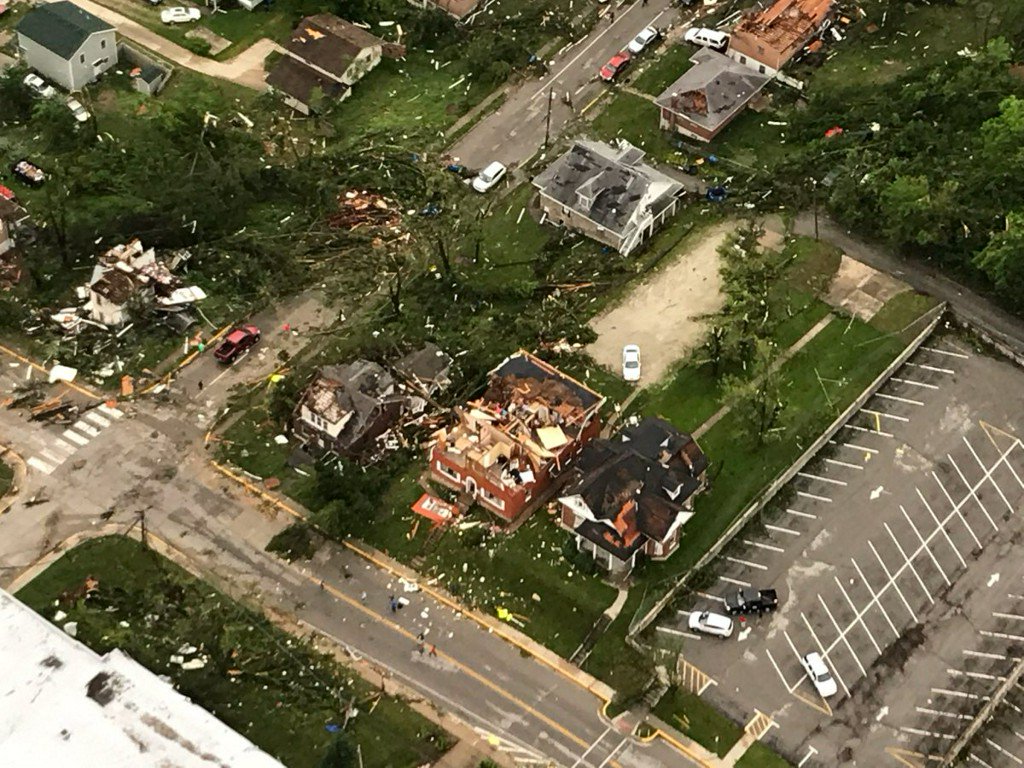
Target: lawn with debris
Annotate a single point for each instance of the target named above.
(274, 689)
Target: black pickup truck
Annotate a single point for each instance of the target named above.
(746, 601)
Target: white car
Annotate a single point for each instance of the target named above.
(711, 623)
(631, 362)
(819, 674)
(647, 36)
(489, 176)
(39, 86)
(81, 113)
(179, 15)
(709, 38)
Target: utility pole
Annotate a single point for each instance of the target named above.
(547, 127)
(814, 186)
(142, 523)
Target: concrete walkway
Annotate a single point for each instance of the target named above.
(245, 69)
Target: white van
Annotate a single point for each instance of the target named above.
(709, 38)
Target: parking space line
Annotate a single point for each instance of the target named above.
(747, 563)
(1005, 751)
(854, 447)
(924, 547)
(737, 582)
(960, 694)
(987, 655)
(942, 526)
(897, 399)
(823, 652)
(914, 383)
(846, 464)
(814, 497)
(1001, 635)
(971, 493)
(974, 494)
(681, 633)
(832, 480)
(782, 677)
(946, 352)
(974, 675)
(798, 513)
(863, 623)
(869, 431)
(1014, 616)
(885, 613)
(759, 545)
(884, 415)
(932, 368)
(706, 596)
(1015, 597)
(920, 732)
(842, 635)
(940, 713)
(888, 575)
(780, 529)
(999, 490)
(977, 759)
(909, 565)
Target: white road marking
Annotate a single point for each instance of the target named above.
(854, 447)
(832, 480)
(959, 694)
(914, 383)
(759, 545)
(581, 758)
(98, 420)
(977, 759)
(1001, 635)
(942, 527)
(940, 713)
(924, 547)
(888, 575)
(986, 655)
(848, 465)
(974, 453)
(814, 497)
(869, 431)
(780, 529)
(824, 653)
(613, 752)
(40, 466)
(747, 563)
(51, 457)
(706, 596)
(1014, 616)
(946, 352)
(858, 617)
(897, 399)
(811, 751)
(863, 624)
(974, 495)
(63, 446)
(910, 565)
(74, 437)
(778, 671)
(932, 368)
(85, 429)
(1005, 751)
(671, 631)
(974, 675)
(737, 582)
(885, 613)
(798, 513)
(883, 415)
(114, 413)
(919, 732)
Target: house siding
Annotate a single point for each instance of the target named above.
(568, 217)
(72, 74)
(678, 122)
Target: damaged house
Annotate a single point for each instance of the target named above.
(11, 216)
(632, 494)
(766, 38)
(607, 193)
(708, 96)
(349, 410)
(510, 445)
(324, 57)
(128, 275)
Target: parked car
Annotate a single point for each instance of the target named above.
(236, 343)
(709, 38)
(816, 669)
(179, 15)
(647, 36)
(39, 86)
(80, 113)
(711, 623)
(746, 601)
(631, 362)
(616, 64)
(489, 176)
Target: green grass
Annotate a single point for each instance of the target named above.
(760, 756)
(699, 720)
(282, 692)
(672, 61)
(624, 115)
(617, 663)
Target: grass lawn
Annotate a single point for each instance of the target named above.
(618, 664)
(673, 59)
(624, 115)
(698, 720)
(760, 756)
(280, 694)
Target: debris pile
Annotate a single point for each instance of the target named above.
(365, 209)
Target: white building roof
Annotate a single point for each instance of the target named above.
(62, 704)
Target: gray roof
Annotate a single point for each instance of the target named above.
(329, 43)
(60, 27)
(429, 365)
(151, 73)
(606, 184)
(713, 90)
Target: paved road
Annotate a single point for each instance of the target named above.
(515, 132)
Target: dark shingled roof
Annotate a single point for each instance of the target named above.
(151, 73)
(627, 481)
(329, 43)
(60, 27)
(524, 366)
(713, 90)
(298, 81)
(427, 364)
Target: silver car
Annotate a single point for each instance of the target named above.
(816, 669)
(711, 623)
(80, 113)
(39, 86)
(489, 176)
(631, 362)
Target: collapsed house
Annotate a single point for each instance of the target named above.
(11, 216)
(765, 39)
(350, 410)
(127, 276)
(708, 96)
(510, 445)
(607, 193)
(459, 9)
(632, 494)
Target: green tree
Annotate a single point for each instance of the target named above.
(340, 754)
(758, 399)
(1002, 260)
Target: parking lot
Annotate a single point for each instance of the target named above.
(895, 554)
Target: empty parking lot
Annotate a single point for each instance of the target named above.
(896, 555)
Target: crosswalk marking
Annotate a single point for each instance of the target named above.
(75, 438)
(52, 458)
(96, 419)
(85, 429)
(63, 446)
(113, 413)
(39, 465)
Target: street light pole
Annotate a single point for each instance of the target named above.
(547, 126)
(814, 186)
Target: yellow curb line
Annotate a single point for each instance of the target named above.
(38, 367)
(682, 748)
(592, 102)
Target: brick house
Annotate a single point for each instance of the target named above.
(765, 39)
(630, 496)
(515, 442)
(708, 96)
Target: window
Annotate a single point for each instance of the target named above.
(447, 471)
(761, 69)
(103, 44)
(760, 49)
(81, 59)
(490, 498)
(743, 59)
